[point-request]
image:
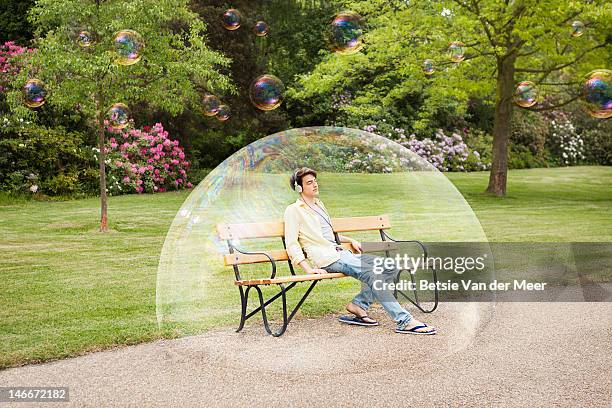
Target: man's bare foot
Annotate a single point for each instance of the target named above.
(360, 313)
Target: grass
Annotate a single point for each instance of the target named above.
(68, 289)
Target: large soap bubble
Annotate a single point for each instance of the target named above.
(359, 174)
(597, 93)
(210, 105)
(231, 19)
(456, 51)
(526, 94)
(84, 39)
(118, 116)
(128, 45)
(345, 32)
(429, 67)
(34, 93)
(223, 113)
(261, 29)
(266, 92)
(577, 28)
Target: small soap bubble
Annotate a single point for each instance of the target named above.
(346, 33)
(118, 116)
(223, 113)
(597, 93)
(211, 105)
(128, 47)
(456, 51)
(231, 19)
(526, 94)
(266, 92)
(428, 67)
(84, 39)
(261, 29)
(34, 93)
(577, 28)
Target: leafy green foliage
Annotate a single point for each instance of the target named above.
(176, 63)
(14, 25)
(386, 81)
(38, 159)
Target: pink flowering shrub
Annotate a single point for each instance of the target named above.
(145, 161)
(8, 68)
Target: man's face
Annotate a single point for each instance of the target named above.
(310, 188)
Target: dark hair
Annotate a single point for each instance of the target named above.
(298, 174)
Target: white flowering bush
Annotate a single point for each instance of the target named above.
(565, 142)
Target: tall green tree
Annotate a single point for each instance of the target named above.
(176, 66)
(506, 41)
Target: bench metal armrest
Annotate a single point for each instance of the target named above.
(433, 271)
(272, 262)
(419, 243)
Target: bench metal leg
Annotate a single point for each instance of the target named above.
(416, 301)
(243, 303)
(244, 297)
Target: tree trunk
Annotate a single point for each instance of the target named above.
(103, 198)
(502, 125)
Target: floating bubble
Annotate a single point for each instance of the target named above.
(456, 51)
(346, 33)
(84, 39)
(597, 93)
(223, 113)
(34, 93)
(577, 28)
(231, 19)
(211, 105)
(428, 67)
(128, 46)
(266, 92)
(526, 94)
(261, 29)
(118, 116)
(355, 169)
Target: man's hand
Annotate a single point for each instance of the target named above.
(356, 245)
(317, 271)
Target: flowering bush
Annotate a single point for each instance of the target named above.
(7, 68)
(144, 160)
(565, 142)
(49, 161)
(446, 153)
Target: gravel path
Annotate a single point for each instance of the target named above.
(517, 354)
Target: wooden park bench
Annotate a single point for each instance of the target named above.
(237, 257)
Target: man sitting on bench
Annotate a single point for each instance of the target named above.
(308, 227)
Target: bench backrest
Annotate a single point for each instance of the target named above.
(229, 232)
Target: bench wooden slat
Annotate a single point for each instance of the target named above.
(275, 229)
(289, 279)
(277, 255)
(241, 259)
(350, 224)
(280, 255)
(251, 230)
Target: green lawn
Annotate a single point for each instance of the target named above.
(68, 289)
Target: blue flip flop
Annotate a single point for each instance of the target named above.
(358, 321)
(414, 329)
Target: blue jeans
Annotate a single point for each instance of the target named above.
(361, 267)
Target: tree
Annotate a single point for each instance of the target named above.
(13, 21)
(506, 41)
(175, 69)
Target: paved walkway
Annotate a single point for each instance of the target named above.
(517, 354)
